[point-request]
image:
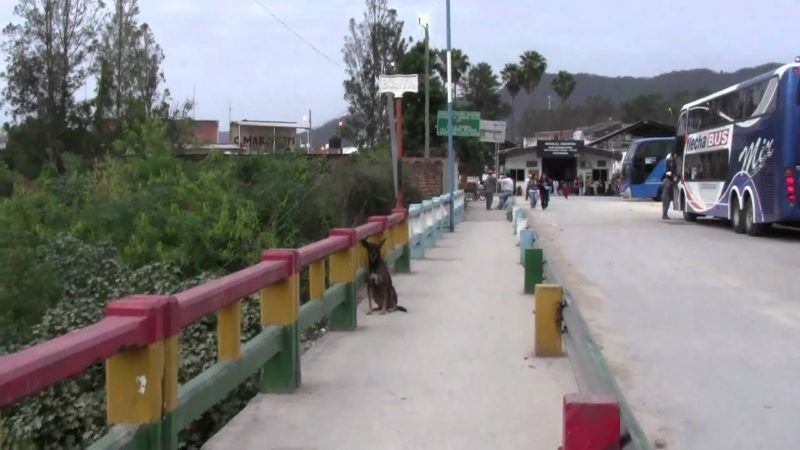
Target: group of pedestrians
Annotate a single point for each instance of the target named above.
(491, 186)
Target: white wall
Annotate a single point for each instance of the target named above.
(586, 163)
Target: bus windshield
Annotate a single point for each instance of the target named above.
(644, 167)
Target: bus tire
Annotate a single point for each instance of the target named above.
(687, 216)
(737, 216)
(750, 226)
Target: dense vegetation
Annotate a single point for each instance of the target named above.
(153, 223)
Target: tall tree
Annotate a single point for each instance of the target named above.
(512, 80)
(460, 65)
(47, 60)
(370, 48)
(482, 91)
(129, 63)
(563, 84)
(414, 105)
(533, 66)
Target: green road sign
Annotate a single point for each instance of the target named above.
(465, 123)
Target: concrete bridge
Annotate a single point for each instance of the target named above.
(469, 365)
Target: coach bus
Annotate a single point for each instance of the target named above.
(739, 153)
(644, 166)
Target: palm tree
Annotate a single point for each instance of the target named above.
(460, 63)
(533, 66)
(563, 84)
(512, 80)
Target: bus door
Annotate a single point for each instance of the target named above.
(677, 157)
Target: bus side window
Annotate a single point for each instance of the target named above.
(680, 137)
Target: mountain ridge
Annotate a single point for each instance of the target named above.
(618, 89)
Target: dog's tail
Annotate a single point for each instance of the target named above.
(401, 308)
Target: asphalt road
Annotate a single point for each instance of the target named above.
(701, 326)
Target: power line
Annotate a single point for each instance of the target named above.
(332, 61)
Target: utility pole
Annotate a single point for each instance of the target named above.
(309, 130)
(426, 25)
(450, 158)
(194, 103)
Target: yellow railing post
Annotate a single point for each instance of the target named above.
(400, 238)
(142, 383)
(547, 328)
(343, 270)
(316, 279)
(229, 332)
(280, 303)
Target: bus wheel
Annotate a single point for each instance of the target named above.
(737, 218)
(687, 216)
(750, 226)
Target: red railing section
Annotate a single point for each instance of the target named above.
(139, 320)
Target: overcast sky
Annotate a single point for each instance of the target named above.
(233, 51)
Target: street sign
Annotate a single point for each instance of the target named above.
(465, 123)
(398, 84)
(493, 131)
(548, 148)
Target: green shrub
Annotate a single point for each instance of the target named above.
(152, 223)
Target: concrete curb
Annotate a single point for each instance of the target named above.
(590, 366)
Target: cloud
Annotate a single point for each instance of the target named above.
(176, 7)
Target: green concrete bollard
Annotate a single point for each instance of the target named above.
(534, 268)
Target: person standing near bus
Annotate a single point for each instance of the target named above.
(666, 195)
(489, 188)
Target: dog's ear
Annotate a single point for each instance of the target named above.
(365, 243)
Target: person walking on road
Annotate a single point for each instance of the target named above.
(565, 189)
(666, 195)
(489, 188)
(532, 190)
(506, 190)
(544, 191)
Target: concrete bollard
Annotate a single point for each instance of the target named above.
(534, 268)
(526, 240)
(521, 224)
(591, 422)
(547, 327)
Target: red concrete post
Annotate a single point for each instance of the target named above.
(591, 422)
(398, 106)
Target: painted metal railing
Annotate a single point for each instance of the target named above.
(138, 336)
(429, 219)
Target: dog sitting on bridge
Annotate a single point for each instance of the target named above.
(379, 281)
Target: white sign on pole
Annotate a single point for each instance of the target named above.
(398, 84)
(493, 131)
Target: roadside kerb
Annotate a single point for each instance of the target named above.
(590, 366)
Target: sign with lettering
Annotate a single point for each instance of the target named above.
(398, 84)
(493, 131)
(465, 123)
(558, 148)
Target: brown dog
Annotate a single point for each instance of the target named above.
(379, 281)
